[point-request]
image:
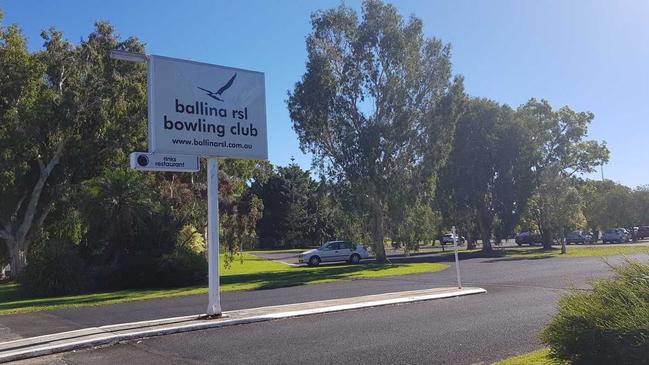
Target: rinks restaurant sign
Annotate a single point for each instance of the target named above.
(206, 110)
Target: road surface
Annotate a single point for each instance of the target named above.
(477, 329)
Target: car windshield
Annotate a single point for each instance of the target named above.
(609, 231)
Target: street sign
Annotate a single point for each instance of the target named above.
(206, 110)
(164, 162)
(201, 110)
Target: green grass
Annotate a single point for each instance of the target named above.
(254, 273)
(286, 250)
(604, 251)
(540, 253)
(540, 357)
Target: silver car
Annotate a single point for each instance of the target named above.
(334, 251)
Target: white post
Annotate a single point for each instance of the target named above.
(214, 295)
(457, 260)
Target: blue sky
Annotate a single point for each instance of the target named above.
(587, 54)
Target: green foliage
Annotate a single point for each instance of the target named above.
(418, 226)
(560, 151)
(540, 357)
(298, 212)
(609, 325)
(607, 204)
(186, 265)
(117, 206)
(55, 268)
(487, 179)
(67, 112)
(376, 106)
(191, 240)
(128, 230)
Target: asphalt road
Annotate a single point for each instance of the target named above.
(469, 330)
(291, 258)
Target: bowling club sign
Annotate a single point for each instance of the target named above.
(203, 110)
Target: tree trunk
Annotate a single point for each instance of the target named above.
(18, 261)
(18, 237)
(470, 242)
(484, 224)
(486, 241)
(378, 234)
(546, 236)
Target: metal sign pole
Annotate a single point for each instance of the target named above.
(457, 260)
(214, 295)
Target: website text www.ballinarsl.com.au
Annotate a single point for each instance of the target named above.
(207, 142)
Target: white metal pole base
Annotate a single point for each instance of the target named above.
(214, 295)
(457, 259)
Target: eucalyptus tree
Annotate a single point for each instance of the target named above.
(560, 151)
(488, 175)
(376, 106)
(66, 113)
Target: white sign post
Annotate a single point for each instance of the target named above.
(457, 260)
(214, 291)
(202, 110)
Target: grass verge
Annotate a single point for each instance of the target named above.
(540, 357)
(253, 273)
(540, 253)
(286, 250)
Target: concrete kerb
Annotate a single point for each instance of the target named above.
(111, 334)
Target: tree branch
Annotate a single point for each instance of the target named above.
(5, 234)
(28, 217)
(18, 206)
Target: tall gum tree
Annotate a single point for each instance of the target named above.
(561, 151)
(488, 175)
(377, 105)
(66, 113)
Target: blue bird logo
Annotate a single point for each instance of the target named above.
(216, 95)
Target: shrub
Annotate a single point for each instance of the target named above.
(609, 325)
(181, 268)
(191, 239)
(54, 267)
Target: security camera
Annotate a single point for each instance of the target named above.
(143, 160)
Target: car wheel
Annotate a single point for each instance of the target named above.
(314, 261)
(355, 259)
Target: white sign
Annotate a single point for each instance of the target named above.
(164, 162)
(206, 110)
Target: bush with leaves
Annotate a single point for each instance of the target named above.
(186, 265)
(55, 268)
(609, 325)
(128, 229)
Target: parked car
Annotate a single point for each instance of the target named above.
(448, 238)
(643, 232)
(615, 235)
(334, 251)
(527, 238)
(579, 237)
